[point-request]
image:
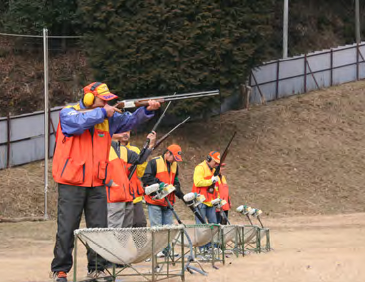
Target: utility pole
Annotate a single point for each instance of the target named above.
(357, 21)
(46, 119)
(285, 28)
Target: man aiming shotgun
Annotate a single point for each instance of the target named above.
(80, 167)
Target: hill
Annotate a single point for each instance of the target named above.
(299, 156)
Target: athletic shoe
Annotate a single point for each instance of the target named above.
(59, 276)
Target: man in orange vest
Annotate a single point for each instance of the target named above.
(80, 167)
(223, 191)
(163, 169)
(139, 218)
(119, 189)
(205, 183)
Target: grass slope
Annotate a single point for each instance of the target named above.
(302, 155)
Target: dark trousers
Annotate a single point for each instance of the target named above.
(139, 218)
(221, 219)
(72, 201)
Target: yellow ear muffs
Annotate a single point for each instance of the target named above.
(88, 99)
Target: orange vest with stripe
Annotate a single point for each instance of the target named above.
(121, 190)
(204, 190)
(168, 178)
(224, 193)
(82, 160)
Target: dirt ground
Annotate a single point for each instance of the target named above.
(305, 249)
(300, 160)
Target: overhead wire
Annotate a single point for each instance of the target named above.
(40, 36)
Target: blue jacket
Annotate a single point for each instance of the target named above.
(75, 123)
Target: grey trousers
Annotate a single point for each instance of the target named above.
(139, 218)
(120, 215)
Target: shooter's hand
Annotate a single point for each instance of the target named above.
(153, 105)
(152, 136)
(162, 185)
(109, 110)
(215, 179)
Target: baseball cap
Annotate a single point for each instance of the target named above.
(100, 90)
(215, 156)
(176, 151)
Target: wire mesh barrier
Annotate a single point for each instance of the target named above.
(251, 238)
(129, 246)
(207, 243)
(200, 234)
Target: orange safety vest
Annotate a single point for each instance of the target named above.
(82, 160)
(135, 183)
(204, 190)
(163, 175)
(224, 193)
(121, 190)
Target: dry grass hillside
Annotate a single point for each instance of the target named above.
(298, 156)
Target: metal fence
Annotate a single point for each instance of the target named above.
(22, 137)
(300, 74)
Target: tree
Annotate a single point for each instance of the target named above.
(155, 47)
(31, 16)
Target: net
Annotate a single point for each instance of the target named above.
(128, 245)
(229, 232)
(249, 234)
(200, 234)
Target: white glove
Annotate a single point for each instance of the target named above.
(215, 179)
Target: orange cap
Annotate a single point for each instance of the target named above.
(176, 151)
(215, 156)
(100, 90)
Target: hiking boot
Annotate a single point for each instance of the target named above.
(99, 275)
(59, 276)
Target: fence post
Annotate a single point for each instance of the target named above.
(331, 68)
(53, 130)
(357, 61)
(8, 141)
(305, 73)
(277, 79)
(245, 95)
(49, 131)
